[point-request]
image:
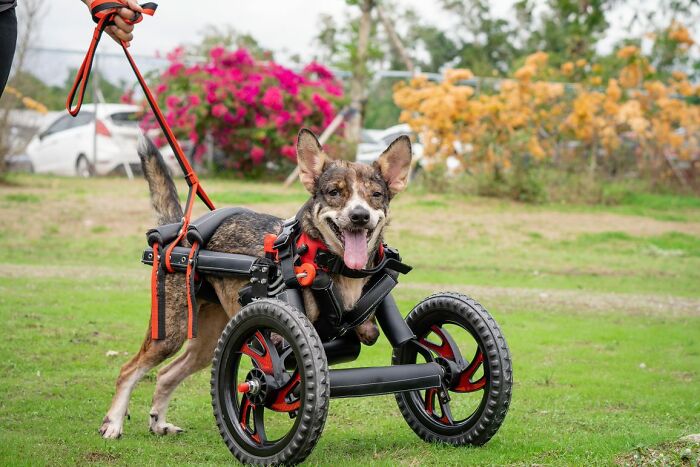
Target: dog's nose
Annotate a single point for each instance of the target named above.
(359, 216)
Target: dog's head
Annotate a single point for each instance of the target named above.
(349, 205)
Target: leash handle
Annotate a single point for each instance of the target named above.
(103, 13)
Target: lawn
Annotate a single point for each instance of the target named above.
(600, 307)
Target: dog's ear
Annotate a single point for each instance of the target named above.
(310, 158)
(394, 164)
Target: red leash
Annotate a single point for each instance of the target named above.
(103, 13)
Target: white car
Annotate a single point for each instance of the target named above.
(374, 142)
(67, 145)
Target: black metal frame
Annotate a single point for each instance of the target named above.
(276, 278)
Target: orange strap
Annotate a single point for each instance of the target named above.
(103, 13)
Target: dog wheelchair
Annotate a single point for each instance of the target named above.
(271, 382)
(271, 378)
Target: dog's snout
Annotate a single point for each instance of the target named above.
(359, 216)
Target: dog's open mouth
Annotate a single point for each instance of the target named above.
(354, 245)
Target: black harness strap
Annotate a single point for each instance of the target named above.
(191, 295)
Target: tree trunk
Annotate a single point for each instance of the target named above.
(358, 82)
(395, 39)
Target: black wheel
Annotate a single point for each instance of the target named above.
(270, 384)
(459, 334)
(83, 168)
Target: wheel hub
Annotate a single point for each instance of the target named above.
(256, 386)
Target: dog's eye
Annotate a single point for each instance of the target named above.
(333, 193)
(378, 194)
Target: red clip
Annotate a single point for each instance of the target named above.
(306, 273)
(269, 245)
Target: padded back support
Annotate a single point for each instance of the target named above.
(163, 234)
(201, 229)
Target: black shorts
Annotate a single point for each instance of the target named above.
(8, 42)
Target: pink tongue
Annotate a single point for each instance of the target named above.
(355, 249)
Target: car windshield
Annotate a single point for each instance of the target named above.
(125, 118)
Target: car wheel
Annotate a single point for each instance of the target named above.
(83, 168)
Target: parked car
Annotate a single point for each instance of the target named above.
(66, 146)
(374, 142)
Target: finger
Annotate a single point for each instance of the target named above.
(126, 13)
(122, 35)
(134, 6)
(111, 34)
(123, 25)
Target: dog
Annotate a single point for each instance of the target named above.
(348, 210)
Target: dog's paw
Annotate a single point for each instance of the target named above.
(110, 429)
(367, 332)
(165, 429)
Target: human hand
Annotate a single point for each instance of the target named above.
(121, 30)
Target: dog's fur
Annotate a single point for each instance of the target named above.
(346, 199)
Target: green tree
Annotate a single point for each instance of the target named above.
(566, 29)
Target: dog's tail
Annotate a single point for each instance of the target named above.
(163, 192)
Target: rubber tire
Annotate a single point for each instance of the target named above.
(314, 408)
(83, 160)
(496, 353)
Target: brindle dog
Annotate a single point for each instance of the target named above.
(348, 210)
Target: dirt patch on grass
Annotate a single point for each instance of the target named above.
(112, 207)
(680, 452)
(475, 220)
(14, 271)
(96, 457)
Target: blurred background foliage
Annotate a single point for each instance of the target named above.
(565, 116)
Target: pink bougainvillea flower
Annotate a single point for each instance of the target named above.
(219, 110)
(257, 154)
(290, 152)
(251, 110)
(282, 118)
(325, 107)
(194, 99)
(248, 93)
(174, 69)
(319, 70)
(260, 121)
(273, 99)
(217, 52)
(172, 101)
(127, 97)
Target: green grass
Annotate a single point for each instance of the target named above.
(599, 369)
(22, 198)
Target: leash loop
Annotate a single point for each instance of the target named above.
(103, 13)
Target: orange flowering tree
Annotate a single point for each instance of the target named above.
(535, 118)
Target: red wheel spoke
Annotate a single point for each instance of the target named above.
(444, 349)
(465, 383)
(446, 417)
(429, 403)
(430, 400)
(244, 414)
(262, 360)
(255, 413)
(284, 394)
